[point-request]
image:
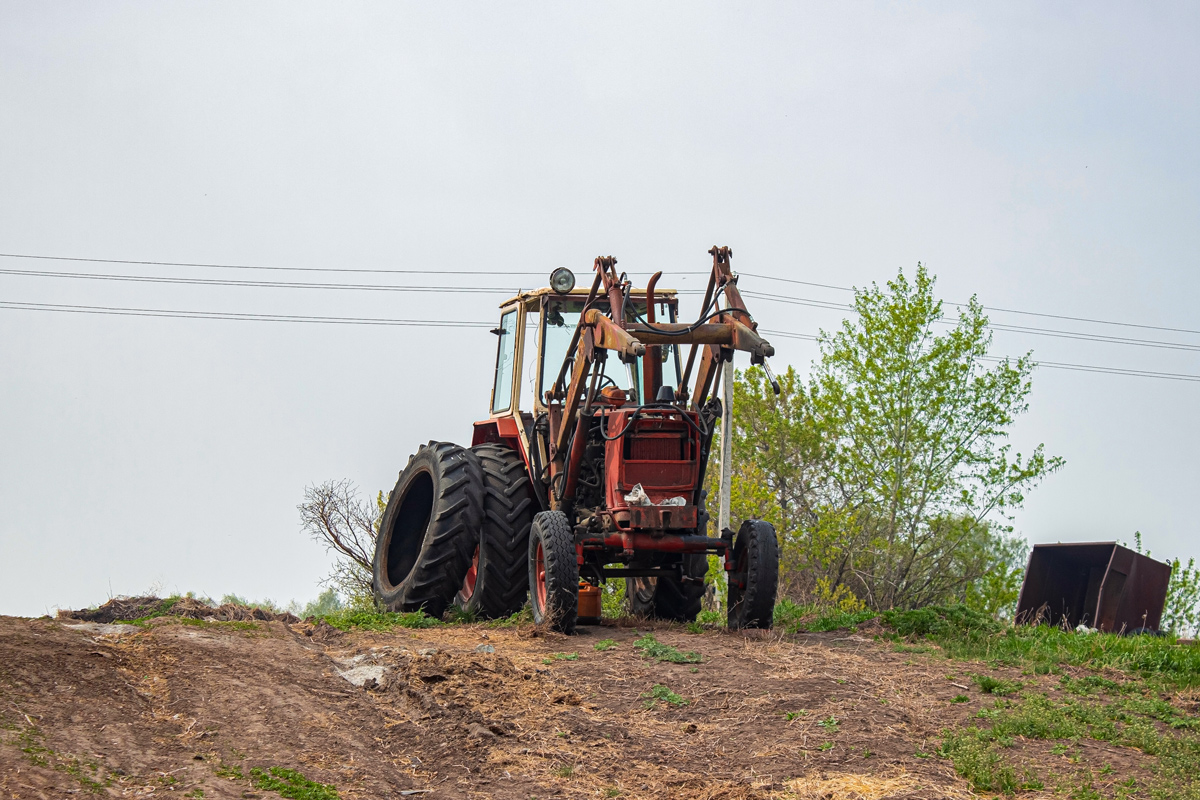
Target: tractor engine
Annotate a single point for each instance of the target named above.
(652, 467)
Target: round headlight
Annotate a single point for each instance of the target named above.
(562, 280)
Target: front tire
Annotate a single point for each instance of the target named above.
(553, 572)
(754, 581)
(429, 530)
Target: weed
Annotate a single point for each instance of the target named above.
(605, 644)
(561, 657)
(960, 698)
(997, 686)
(825, 746)
(660, 692)
(291, 784)
(970, 635)
(371, 620)
(612, 791)
(695, 627)
(710, 618)
(522, 617)
(457, 615)
(921, 754)
(565, 771)
(1129, 721)
(791, 715)
(196, 793)
(652, 648)
(830, 723)
(693, 670)
(231, 771)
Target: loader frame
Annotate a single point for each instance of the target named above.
(575, 430)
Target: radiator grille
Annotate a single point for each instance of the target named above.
(662, 447)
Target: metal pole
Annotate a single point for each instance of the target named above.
(726, 444)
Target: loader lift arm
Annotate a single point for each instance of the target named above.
(715, 335)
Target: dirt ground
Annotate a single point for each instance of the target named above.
(189, 708)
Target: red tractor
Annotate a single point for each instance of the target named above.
(589, 467)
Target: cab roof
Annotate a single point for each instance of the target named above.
(580, 292)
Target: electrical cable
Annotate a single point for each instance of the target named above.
(370, 287)
(999, 326)
(13, 305)
(297, 318)
(1091, 320)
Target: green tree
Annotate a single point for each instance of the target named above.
(889, 471)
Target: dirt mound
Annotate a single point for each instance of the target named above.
(227, 712)
(121, 609)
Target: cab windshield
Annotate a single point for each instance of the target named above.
(558, 326)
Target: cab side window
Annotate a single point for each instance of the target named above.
(505, 359)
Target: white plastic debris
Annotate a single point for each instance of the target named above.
(638, 497)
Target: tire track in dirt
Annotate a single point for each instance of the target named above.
(174, 707)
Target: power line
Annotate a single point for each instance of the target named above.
(238, 316)
(1091, 320)
(379, 287)
(266, 267)
(351, 270)
(298, 318)
(370, 287)
(1000, 326)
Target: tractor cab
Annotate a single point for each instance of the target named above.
(534, 338)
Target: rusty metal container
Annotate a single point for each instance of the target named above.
(1099, 584)
(589, 604)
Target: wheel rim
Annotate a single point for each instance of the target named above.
(468, 587)
(539, 576)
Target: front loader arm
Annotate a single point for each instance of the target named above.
(731, 328)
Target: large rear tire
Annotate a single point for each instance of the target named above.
(429, 530)
(754, 581)
(553, 572)
(497, 582)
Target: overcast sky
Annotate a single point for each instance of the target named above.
(1040, 155)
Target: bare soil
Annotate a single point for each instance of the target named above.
(184, 707)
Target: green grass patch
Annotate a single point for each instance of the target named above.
(970, 635)
(652, 648)
(229, 625)
(231, 771)
(605, 644)
(792, 617)
(291, 784)
(661, 693)
(516, 619)
(979, 752)
(372, 620)
(997, 686)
